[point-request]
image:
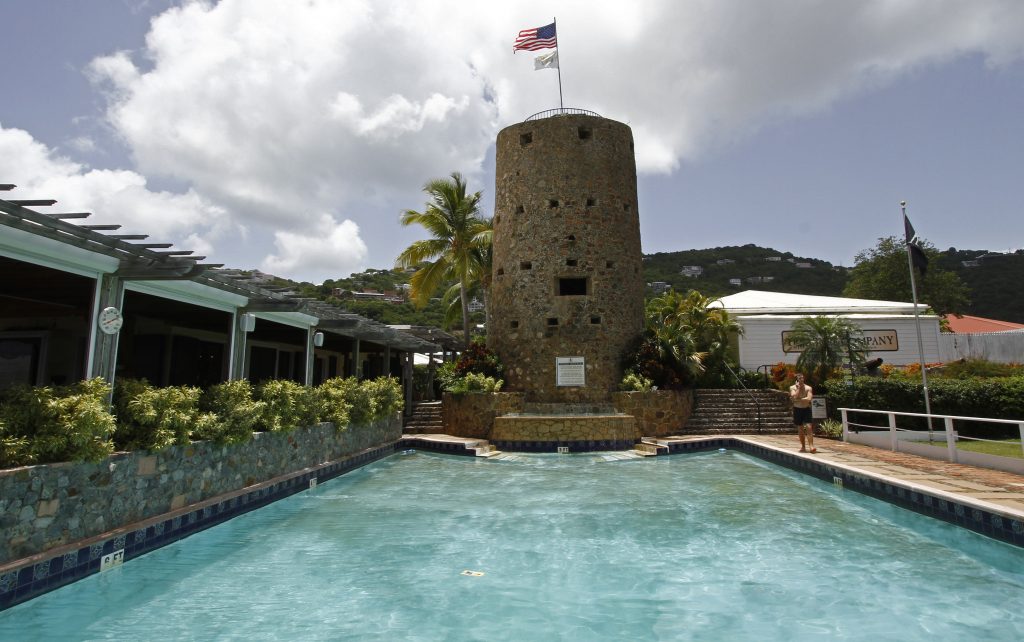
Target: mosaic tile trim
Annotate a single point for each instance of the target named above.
(460, 448)
(976, 519)
(34, 579)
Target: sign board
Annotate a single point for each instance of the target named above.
(570, 371)
(877, 341)
(818, 408)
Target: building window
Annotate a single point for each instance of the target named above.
(552, 321)
(501, 271)
(525, 265)
(513, 324)
(595, 320)
(585, 133)
(609, 264)
(571, 238)
(625, 206)
(525, 139)
(572, 287)
(571, 262)
(591, 202)
(553, 203)
(520, 209)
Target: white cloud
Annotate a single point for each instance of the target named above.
(268, 111)
(329, 250)
(113, 196)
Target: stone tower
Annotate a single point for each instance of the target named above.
(567, 290)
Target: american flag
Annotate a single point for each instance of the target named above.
(534, 39)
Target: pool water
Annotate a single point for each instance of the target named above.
(713, 546)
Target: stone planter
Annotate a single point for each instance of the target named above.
(472, 414)
(658, 413)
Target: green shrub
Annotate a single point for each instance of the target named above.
(71, 423)
(333, 402)
(151, 418)
(993, 398)
(386, 393)
(479, 359)
(977, 368)
(235, 414)
(14, 450)
(633, 382)
(288, 405)
(474, 382)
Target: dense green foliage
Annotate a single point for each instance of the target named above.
(883, 273)
(993, 398)
(686, 341)
(73, 423)
(634, 382)
(45, 424)
(996, 283)
(478, 369)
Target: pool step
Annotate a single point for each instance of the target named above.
(650, 447)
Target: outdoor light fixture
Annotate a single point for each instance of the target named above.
(318, 339)
(247, 322)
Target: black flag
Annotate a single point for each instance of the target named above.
(917, 255)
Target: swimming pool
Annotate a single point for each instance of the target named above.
(712, 546)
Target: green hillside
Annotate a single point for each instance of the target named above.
(996, 281)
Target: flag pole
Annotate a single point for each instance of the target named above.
(917, 323)
(561, 107)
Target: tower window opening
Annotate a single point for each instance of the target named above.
(497, 219)
(591, 202)
(571, 262)
(585, 133)
(572, 287)
(553, 203)
(501, 271)
(525, 139)
(513, 324)
(525, 265)
(571, 238)
(609, 264)
(595, 320)
(552, 321)
(625, 206)
(520, 209)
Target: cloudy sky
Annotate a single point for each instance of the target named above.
(288, 136)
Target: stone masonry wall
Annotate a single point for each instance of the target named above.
(45, 506)
(658, 413)
(567, 276)
(472, 415)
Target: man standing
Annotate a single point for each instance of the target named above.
(801, 395)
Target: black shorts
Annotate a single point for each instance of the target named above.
(801, 416)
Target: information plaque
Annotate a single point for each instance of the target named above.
(570, 371)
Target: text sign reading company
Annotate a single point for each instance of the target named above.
(570, 371)
(877, 341)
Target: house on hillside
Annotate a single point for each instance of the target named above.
(725, 261)
(691, 271)
(889, 327)
(658, 287)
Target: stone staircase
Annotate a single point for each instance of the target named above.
(425, 418)
(733, 411)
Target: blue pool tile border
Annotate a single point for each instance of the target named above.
(975, 518)
(42, 573)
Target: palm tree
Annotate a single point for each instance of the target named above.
(713, 329)
(669, 335)
(825, 343)
(452, 217)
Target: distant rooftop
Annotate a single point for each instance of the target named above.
(969, 325)
(760, 302)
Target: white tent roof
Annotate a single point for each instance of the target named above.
(759, 302)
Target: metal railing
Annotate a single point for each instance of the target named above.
(750, 394)
(562, 111)
(950, 435)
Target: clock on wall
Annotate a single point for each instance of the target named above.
(110, 320)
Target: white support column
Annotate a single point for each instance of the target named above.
(357, 361)
(103, 349)
(407, 380)
(310, 356)
(239, 368)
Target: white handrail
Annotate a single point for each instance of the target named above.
(948, 420)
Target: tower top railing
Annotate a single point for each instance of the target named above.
(562, 111)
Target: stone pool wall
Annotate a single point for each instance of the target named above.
(43, 507)
(472, 414)
(658, 413)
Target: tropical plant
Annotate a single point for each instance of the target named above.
(235, 414)
(475, 382)
(825, 343)
(831, 428)
(151, 418)
(634, 382)
(287, 405)
(452, 217)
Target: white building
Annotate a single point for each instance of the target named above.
(766, 318)
(691, 271)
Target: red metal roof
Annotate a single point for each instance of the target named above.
(967, 324)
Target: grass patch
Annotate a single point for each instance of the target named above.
(1007, 448)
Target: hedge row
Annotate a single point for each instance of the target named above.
(73, 423)
(993, 398)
